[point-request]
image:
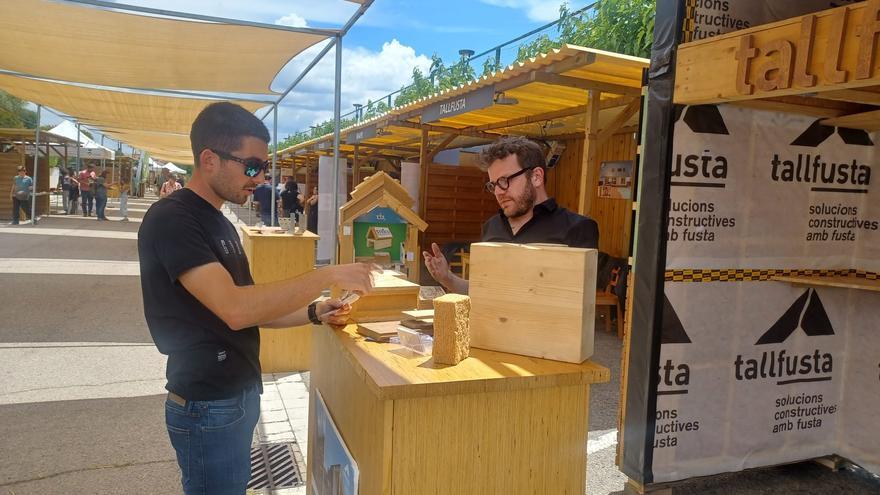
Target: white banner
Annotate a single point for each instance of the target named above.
(752, 374)
(756, 189)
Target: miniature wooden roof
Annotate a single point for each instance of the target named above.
(380, 190)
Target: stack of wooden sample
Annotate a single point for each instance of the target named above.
(391, 294)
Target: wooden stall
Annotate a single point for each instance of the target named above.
(756, 243)
(14, 144)
(581, 104)
(274, 257)
(494, 423)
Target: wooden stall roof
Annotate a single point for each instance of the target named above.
(814, 64)
(546, 97)
(380, 190)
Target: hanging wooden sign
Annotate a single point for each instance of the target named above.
(834, 49)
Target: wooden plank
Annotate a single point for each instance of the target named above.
(558, 282)
(423, 177)
(869, 121)
(839, 282)
(619, 120)
(589, 174)
(742, 65)
(853, 96)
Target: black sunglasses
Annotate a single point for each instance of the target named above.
(504, 182)
(252, 166)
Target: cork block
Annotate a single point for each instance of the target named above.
(451, 328)
(536, 300)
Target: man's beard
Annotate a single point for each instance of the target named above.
(524, 203)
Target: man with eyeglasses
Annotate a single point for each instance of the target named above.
(203, 308)
(517, 168)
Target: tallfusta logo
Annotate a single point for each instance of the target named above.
(808, 314)
(838, 173)
(674, 378)
(703, 169)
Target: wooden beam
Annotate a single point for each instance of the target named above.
(442, 146)
(589, 172)
(423, 173)
(869, 121)
(586, 84)
(619, 120)
(774, 105)
(355, 169)
(852, 95)
(556, 114)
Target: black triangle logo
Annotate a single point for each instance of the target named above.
(672, 331)
(814, 322)
(705, 119)
(817, 133)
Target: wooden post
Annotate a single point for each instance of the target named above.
(589, 169)
(355, 170)
(423, 176)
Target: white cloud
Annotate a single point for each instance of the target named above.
(292, 20)
(366, 75)
(536, 10)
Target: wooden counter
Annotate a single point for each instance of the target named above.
(276, 257)
(494, 423)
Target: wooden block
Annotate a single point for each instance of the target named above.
(451, 328)
(535, 300)
(391, 295)
(378, 331)
(419, 314)
(422, 326)
(427, 294)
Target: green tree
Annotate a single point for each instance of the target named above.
(14, 113)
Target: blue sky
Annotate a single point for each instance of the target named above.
(380, 51)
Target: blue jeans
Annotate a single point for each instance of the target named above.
(100, 206)
(212, 440)
(87, 202)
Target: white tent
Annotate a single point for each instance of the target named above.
(173, 168)
(88, 148)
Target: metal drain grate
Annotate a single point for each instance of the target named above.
(276, 465)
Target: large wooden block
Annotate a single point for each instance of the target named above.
(392, 293)
(536, 300)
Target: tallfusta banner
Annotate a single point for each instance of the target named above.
(756, 372)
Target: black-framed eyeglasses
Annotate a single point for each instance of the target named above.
(504, 182)
(252, 166)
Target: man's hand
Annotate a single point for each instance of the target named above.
(356, 277)
(437, 265)
(333, 312)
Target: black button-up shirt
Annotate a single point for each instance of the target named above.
(550, 223)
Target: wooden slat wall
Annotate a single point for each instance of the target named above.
(9, 162)
(457, 204)
(614, 216)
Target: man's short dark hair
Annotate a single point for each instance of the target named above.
(221, 126)
(528, 153)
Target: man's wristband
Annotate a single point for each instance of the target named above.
(313, 314)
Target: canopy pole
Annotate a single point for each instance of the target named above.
(78, 143)
(102, 151)
(337, 108)
(274, 152)
(36, 166)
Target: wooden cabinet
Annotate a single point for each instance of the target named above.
(494, 423)
(275, 257)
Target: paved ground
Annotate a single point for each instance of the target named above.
(81, 395)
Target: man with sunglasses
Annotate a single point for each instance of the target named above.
(517, 168)
(203, 308)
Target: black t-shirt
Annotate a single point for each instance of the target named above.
(289, 200)
(550, 223)
(207, 360)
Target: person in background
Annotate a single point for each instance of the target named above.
(312, 204)
(124, 187)
(169, 186)
(203, 308)
(101, 195)
(73, 194)
(516, 168)
(64, 183)
(20, 194)
(87, 189)
(263, 198)
(290, 200)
